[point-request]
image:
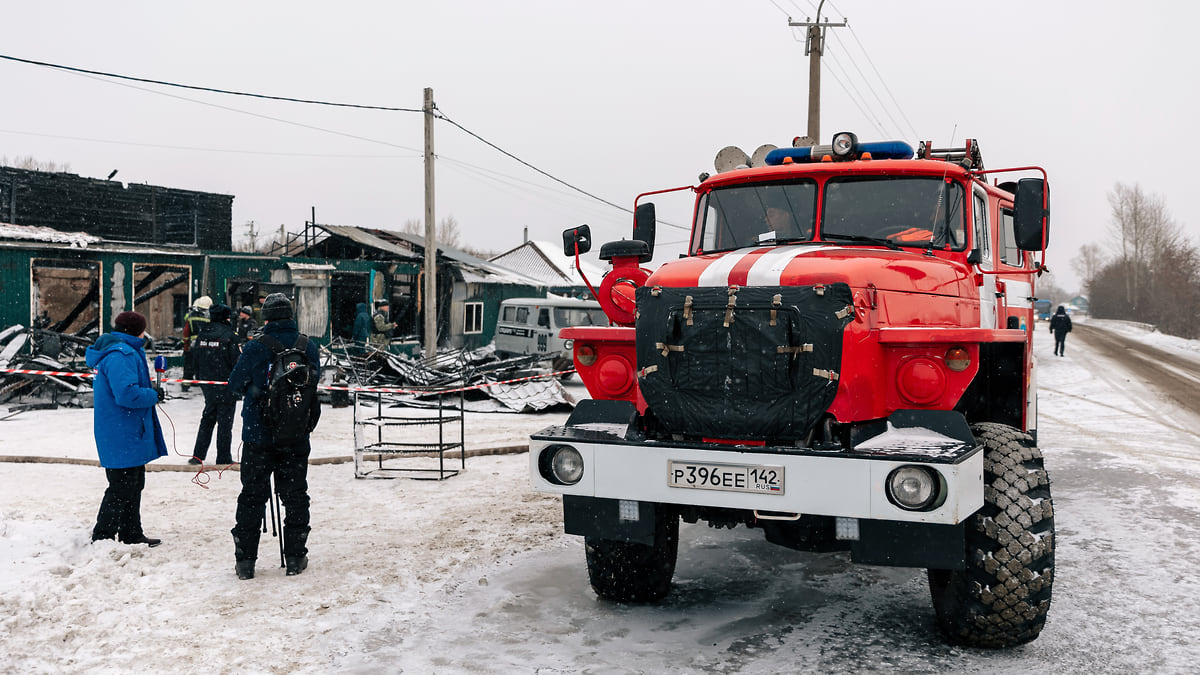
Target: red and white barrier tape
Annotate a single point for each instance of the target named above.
(378, 390)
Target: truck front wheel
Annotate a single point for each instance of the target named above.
(624, 571)
(1001, 598)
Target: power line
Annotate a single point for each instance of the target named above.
(201, 149)
(882, 81)
(439, 114)
(856, 95)
(261, 116)
(508, 154)
(209, 89)
(867, 82)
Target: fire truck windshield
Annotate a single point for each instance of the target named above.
(909, 211)
(750, 215)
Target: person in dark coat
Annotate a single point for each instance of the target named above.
(215, 352)
(128, 434)
(1060, 325)
(246, 325)
(261, 457)
(362, 323)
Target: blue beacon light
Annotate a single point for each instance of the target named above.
(877, 149)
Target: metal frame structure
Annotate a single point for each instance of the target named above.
(370, 455)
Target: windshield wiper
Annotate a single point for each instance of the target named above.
(866, 240)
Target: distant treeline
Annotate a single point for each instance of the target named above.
(1148, 271)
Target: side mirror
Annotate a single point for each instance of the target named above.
(1031, 222)
(974, 257)
(581, 236)
(644, 225)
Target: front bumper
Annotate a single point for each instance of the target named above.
(850, 484)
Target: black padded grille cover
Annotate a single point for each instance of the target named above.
(730, 373)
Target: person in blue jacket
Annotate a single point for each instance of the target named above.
(128, 434)
(262, 457)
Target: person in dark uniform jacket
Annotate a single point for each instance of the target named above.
(246, 325)
(215, 352)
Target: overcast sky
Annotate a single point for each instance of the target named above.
(616, 98)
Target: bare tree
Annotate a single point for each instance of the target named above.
(1143, 232)
(1088, 263)
(30, 163)
(1154, 275)
(447, 231)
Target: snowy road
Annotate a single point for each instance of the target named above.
(473, 574)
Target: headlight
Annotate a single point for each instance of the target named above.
(561, 464)
(914, 488)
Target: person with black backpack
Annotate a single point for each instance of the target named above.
(278, 373)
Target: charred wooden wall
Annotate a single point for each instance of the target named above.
(139, 213)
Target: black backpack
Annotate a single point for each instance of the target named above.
(292, 408)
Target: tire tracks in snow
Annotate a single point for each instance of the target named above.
(1120, 359)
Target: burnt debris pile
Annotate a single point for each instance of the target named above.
(487, 383)
(45, 355)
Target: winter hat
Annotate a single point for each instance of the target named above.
(276, 306)
(219, 314)
(382, 303)
(245, 309)
(130, 323)
(203, 302)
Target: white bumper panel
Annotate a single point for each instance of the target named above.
(829, 485)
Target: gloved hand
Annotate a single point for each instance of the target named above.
(162, 395)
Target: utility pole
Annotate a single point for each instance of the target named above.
(814, 46)
(430, 234)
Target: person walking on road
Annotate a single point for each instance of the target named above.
(215, 352)
(262, 457)
(1060, 325)
(128, 434)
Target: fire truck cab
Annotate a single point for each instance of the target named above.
(843, 359)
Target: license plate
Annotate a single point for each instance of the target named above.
(725, 477)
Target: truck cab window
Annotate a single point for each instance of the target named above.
(922, 211)
(753, 215)
(981, 226)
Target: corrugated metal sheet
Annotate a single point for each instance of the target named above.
(546, 262)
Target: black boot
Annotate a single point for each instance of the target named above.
(244, 569)
(295, 564)
(244, 557)
(142, 539)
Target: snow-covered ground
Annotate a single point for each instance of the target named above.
(473, 573)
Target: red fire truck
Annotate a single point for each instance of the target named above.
(843, 359)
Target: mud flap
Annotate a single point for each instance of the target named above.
(606, 519)
(898, 544)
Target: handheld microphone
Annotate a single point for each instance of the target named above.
(160, 367)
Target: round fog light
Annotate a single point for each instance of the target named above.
(912, 487)
(566, 464)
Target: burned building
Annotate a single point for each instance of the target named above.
(113, 211)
